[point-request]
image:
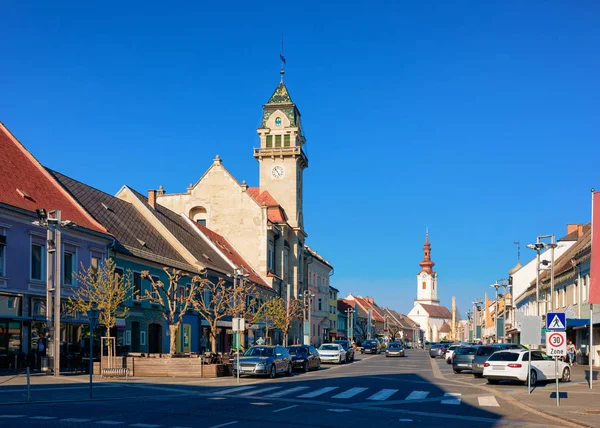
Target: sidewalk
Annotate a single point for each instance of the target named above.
(578, 403)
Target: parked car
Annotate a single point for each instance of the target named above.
(371, 346)
(429, 345)
(462, 358)
(449, 352)
(304, 357)
(485, 351)
(332, 353)
(264, 360)
(408, 345)
(347, 345)
(513, 364)
(395, 349)
(437, 350)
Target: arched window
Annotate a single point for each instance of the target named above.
(198, 214)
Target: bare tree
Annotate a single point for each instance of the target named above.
(283, 313)
(174, 298)
(393, 331)
(361, 329)
(104, 287)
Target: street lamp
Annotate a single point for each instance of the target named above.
(93, 313)
(307, 300)
(237, 275)
(350, 323)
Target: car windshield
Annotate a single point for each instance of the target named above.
(258, 351)
(465, 351)
(504, 356)
(329, 348)
(371, 342)
(343, 344)
(453, 347)
(395, 345)
(293, 350)
(486, 351)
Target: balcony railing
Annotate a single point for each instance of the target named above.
(279, 151)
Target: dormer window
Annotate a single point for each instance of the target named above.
(199, 215)
(278, 121)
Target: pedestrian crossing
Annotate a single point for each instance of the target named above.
(336, 393)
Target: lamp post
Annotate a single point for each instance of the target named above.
(350, 324)
(307, 300)
(469, 314)
(237, 275)
(51, 221)
(93, 313)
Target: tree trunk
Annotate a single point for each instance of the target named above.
(213, 338)
(285, 339)
(173, 329)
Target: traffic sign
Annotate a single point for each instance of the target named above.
(238, 324)
(556, 344)
(556, 321)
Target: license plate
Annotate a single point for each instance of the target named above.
(462, 365)
(498, 367)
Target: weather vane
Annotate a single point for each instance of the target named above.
(282, 72)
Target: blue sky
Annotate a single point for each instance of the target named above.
(478, 120)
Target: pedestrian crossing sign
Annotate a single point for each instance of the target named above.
(556, 321)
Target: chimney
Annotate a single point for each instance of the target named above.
(579, 230)
(572, 227)
(152, 198)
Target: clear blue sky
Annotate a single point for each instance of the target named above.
(476, 119)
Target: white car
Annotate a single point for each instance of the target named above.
(332, 353)
(512, 364)
(450, 352)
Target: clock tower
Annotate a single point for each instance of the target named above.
(427, 279)
(281, 156)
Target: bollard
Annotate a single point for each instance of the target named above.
(28, 387)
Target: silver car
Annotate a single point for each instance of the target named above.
(395, 349)
(264, 360)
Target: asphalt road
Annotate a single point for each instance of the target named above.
(372, 391)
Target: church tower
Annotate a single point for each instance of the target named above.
(281, 156)
(427, 279)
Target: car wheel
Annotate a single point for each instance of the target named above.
(478, 375)
(305, 367)
(566, 375)
(456, 371)
(432, 356)
(289, 370)
(533, 377)
(319, 365)
(273, 372)
(448, 362)
(493, 381)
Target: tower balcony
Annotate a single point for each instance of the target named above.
(273, 152)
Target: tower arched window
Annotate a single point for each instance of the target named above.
(199, 215)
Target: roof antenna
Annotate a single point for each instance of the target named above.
(282, 72)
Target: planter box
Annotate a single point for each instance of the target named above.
(175, 367)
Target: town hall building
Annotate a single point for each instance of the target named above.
(432, 318)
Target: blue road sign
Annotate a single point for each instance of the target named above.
(556, 321)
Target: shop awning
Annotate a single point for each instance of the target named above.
(576, 322)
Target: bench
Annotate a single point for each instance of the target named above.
(116, 372)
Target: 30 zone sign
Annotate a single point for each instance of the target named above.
(556, 343)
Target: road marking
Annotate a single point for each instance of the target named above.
(217, 398)
(145, 425)
(287, 391)
(384, 394)
(405, 420)
(109, 423)
(338, 410)
(12, 416)
(237, 388)
(285, 408)
(60, 388)
(258, 391)
(318, 392)
(417, 395)
(261, 404)
(42, 418)
(488, 401)
(224, 425)
(453, 398)
(350, 393)
(75, 420)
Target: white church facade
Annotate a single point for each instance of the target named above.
(433, 319)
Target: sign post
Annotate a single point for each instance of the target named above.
(238, 325)
(556, 342)
(531, 334)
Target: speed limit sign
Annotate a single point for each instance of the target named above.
(556, 343)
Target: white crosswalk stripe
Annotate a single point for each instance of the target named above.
(236, 389)
(42, 418)
(287, 392)
(452, 398)
(12, 416)
(488, 401)
(259, 391)
(350, 393)
(417, 395)
(318, 392)
(382, 395)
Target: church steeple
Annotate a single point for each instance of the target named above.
(427, 264)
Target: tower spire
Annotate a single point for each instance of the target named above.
(427, 265)
(282, 72)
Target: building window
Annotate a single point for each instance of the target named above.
(2, 256)
(277, 140)
(563, 293)
(142, 338)
(137, 286)
(285, 264)
(271, 260)
(575, 296)
(37, 261)
(69, 267)
(286, 140)
(269, 141)
(424, 285)
(320, 304)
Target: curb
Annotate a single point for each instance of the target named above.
(438, 374)
(85, 400)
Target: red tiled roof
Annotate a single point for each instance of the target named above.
(275, 213)
(436, 311)
(231, 253)
(366, 305)
(445, 328)
(26, 184)
(343, 305)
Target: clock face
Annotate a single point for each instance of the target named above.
(278, 121)
(278, 171)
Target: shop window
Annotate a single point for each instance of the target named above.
(37, 262)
